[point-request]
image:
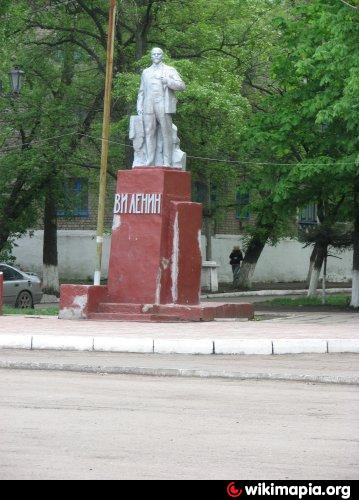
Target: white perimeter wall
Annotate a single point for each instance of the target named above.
(287, 261)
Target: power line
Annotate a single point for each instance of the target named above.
(265, 163)
(224, 160)
(204, 158)
(12, 148)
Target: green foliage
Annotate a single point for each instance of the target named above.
(61, 46)
(215, 46)
(308, 119)
(272, 94)
(41, 141)
(336, 235)
(312, 120)
(5, 253)
(42, 311)
(336, 301)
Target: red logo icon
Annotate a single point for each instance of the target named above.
(233, 491)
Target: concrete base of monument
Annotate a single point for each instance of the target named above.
(92, 303)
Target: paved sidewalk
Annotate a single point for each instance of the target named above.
(275, 325)
(289, 334)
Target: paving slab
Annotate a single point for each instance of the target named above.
(310, 325)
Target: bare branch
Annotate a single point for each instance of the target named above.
(98, 24)
(81, 44)
(249, 82)
(62, 28)
(349, 4)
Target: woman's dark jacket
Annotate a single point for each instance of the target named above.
(236, 257)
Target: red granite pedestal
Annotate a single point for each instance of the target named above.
(155, 258)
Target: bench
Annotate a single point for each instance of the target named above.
(209, 276)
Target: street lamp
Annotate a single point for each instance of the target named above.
(16, 76)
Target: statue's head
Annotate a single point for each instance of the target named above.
(157, 55)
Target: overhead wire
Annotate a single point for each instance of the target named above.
(204, 158)
(41, 141)
(225, 160)
(209, 159)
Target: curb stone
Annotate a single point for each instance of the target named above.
(114, 344)
(62, 343)
(179, 346)
(300, 346)
(343, 345)
(237, 346)
(16, 342)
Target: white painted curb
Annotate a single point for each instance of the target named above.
(260, 293)
(179, 346)
(245, 346)
(343, 345)
(15, 341)
(115, 344)
(299, 346)
(174, 346)
(62, 342)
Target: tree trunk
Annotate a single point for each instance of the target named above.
(311, 263)
(4, 236)
(317, 267)
(51, 285)
(208, 233)
(140, 44)
(355, 284)
(208, 223)
(254, 250)
(324, 281)
(143, 28)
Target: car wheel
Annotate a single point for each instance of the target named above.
(24, 300)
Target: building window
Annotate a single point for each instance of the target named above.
(242, 200)
(200, 193)
(308, 215)
(76, 199)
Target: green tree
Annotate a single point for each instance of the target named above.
(311, 121)
(222, 51)
(53, 131)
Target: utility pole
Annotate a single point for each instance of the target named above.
(105, 141)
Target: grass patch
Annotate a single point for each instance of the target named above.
(331, 300)
(44, 311)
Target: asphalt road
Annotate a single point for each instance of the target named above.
(81, 426)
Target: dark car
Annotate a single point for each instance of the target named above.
(22, 290)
